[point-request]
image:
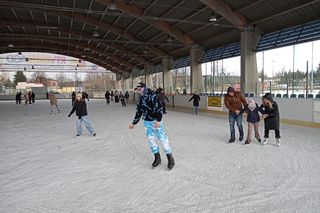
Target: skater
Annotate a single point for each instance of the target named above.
(85, 96)
(253, 118)
(17, 98)
(271, 118)
(150, 108)
(80, 107)
(116, 96)
(126, 96)
(111, 95)
(122, 99)
(33, 97)
(73, 97)
(107, 96)
(30, 97)
(235, 101)
(53, 103)
(26, 97)
(196, 99)
(162, 97)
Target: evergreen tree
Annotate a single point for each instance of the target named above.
(19, 77)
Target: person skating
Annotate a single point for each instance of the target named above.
(53, 103)
(17, 98)
(85, 96)
(116, 96)
(151, 109)
(30, 97)
(111, 95)
(253, 119)
(196, 99)
(80, 107)
(271, 118)
(162, 97)
(33, 97)
(107, 96)
(73, 97)
(235, 102)
(126, 96)
(122, 99)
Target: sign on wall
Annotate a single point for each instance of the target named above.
(214, 101)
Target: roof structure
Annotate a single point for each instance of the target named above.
(123, 34)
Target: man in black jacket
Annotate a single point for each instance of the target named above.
(150, 109)
(196, 99)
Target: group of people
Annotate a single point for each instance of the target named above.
(30, 97)
(237, 105)
(116, 96)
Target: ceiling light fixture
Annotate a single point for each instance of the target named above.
(169, 39)
(19, 53)
(213, 17)
(32, 67)
(95, 33)
(10, 45)
(113, 5)
(27, 59)
(24, 69)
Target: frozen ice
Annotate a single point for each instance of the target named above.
(44, 167)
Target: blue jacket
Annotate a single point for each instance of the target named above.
(253, 116)
(149, 107)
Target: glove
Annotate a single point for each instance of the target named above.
(69, 115)
(79, 117)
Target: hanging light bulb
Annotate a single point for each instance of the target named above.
(24, 69)
(113, 5)
(19, 53)
(213, 17)
(32, 67)
(27, 59)
(79, 60)
(95, 33)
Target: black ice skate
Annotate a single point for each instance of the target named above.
(157, 160)
(170, 161)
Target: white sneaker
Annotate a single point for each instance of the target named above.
(278, 142)
(264, 141)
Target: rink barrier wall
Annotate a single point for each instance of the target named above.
(303, 112)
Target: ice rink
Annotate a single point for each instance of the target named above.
(45, 168)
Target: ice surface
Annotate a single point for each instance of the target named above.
(45, 168)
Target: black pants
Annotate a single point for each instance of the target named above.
(123, 103)
(164, 107)
(266, 133)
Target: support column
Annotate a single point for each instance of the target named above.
(148, 75)
(167, 76)
(196, 54)
(125, 81)
(249, 70)
(118, 81)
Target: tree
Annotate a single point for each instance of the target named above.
(19, 77)
(5, 80)
(40, 77)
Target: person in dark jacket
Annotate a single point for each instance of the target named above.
(33, 97)
(196, 99)
(150, 109)
(253, 118)
(126, 96)
(111, 95)
(162, 98)
(17, 98)
(122, 99)
(30, 97)
(85, 96)
(73, 98)
(107, 96)
(271, 118)
(80, 107)
(235, 102)
(116, 96)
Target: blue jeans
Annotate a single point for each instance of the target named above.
(87, 124)
(196, 109)
(156, 133)
(233, 117)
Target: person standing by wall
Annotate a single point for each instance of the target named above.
(73, 97)
(196, 100)
(235, 102)
(271, 118)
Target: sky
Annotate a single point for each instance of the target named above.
(274, 61)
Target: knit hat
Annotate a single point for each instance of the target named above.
(268, 96)
(140, 85)
(230, 89)
(251, 104)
